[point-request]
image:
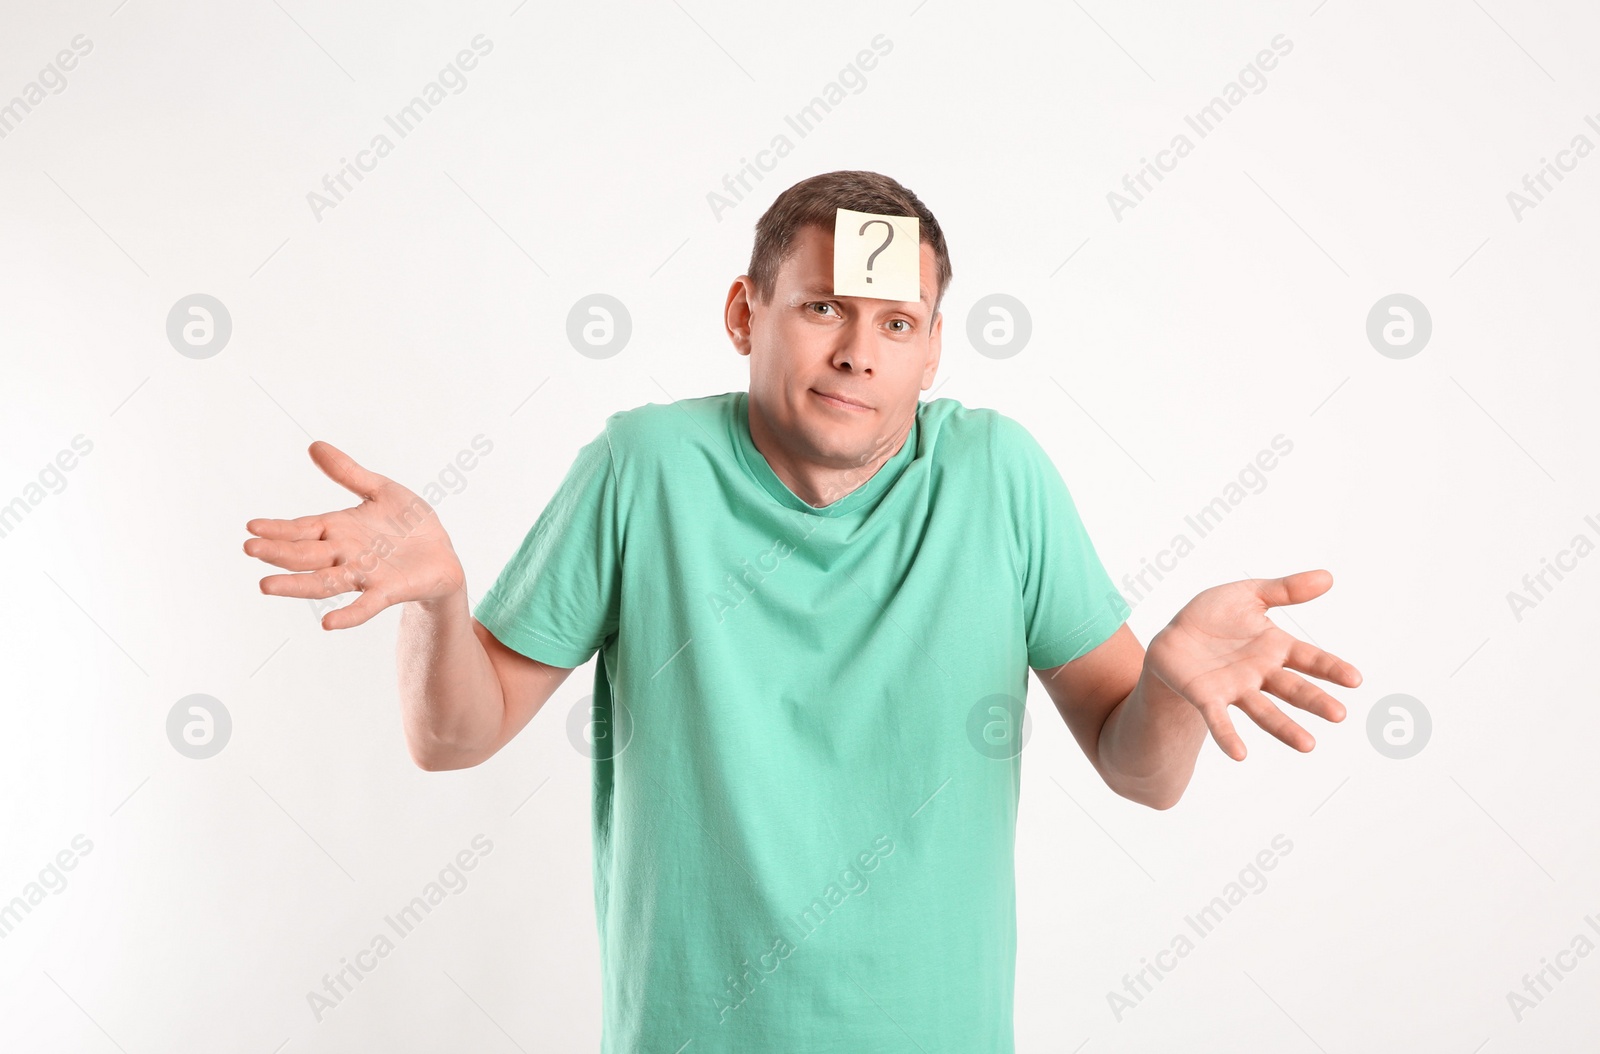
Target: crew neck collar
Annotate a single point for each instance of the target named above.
(755, 463)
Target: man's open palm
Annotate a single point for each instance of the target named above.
(391, 547)
(1222, 650)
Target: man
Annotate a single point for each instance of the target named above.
(816, 603)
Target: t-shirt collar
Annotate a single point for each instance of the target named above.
(756, 465)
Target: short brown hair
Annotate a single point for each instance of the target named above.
(811, 202)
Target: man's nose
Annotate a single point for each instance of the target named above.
(858, 349)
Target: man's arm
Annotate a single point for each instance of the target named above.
(1142, 737)
(1141, 716)
(463, 694)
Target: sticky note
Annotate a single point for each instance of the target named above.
(876, 256)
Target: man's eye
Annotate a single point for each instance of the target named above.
(820, 303)
(902, 322)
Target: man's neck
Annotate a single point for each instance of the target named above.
(820, 485)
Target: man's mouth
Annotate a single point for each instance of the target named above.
(843, 402)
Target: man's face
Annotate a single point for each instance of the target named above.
(806, 345)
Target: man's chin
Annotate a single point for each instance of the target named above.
(827, 443)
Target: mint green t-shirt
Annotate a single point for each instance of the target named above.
(805, 803)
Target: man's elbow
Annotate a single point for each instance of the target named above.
(435, 759)
(1163, 804)
(1158, 798)
(1159, 804)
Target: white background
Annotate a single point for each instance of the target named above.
(1169, 348)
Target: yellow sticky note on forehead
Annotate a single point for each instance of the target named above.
(876, 256)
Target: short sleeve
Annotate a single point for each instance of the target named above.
(1069, 604)
(557, 600)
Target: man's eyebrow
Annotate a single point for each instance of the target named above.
(827, 293)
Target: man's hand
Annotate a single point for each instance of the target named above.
(391, 547)
(1222, 650)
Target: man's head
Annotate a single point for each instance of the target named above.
(805, 343)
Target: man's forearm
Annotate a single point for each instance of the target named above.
(450, 698)
(1149, 743)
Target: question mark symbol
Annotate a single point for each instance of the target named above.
(889, 227)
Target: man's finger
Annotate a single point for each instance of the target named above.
(1269, 717)
(1297, 691)
(1222, 731)
(343, 470)
(292, 555)
(299, 529)
(1318, 663)
(354, 614)
(1293, 589)
(313, 585)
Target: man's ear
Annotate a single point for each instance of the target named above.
(737, 313)
(935, 345)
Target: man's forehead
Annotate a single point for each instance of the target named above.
(824, 290)
(813, 270)
(810, 265)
